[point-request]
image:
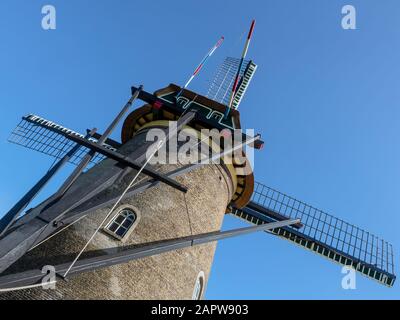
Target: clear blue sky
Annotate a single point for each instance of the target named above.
(325, 99)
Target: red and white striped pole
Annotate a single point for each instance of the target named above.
(244, 53)
(202, 63)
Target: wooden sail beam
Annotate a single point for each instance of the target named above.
(122, 159)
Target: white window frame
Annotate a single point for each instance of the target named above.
(199, 285)
(120, 225)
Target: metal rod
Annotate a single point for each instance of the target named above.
(270, 213)
(202, 63)
(90, 264)
(118, 118)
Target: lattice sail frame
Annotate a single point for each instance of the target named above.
(324, 234)
(30, 135)
(221, 86)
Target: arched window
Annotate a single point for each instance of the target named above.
(122, 222)
(198, 287)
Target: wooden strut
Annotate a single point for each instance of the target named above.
(21, 280)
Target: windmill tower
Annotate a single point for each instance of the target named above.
(150, 231)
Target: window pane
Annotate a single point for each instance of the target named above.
(122, 222)
(113, 227)
(124, 213)
(121, 231)
(127, 223)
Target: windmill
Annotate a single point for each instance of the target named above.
(120, 227)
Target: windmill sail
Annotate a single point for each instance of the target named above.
(221, 86)
(34, 132)
(322, 233)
